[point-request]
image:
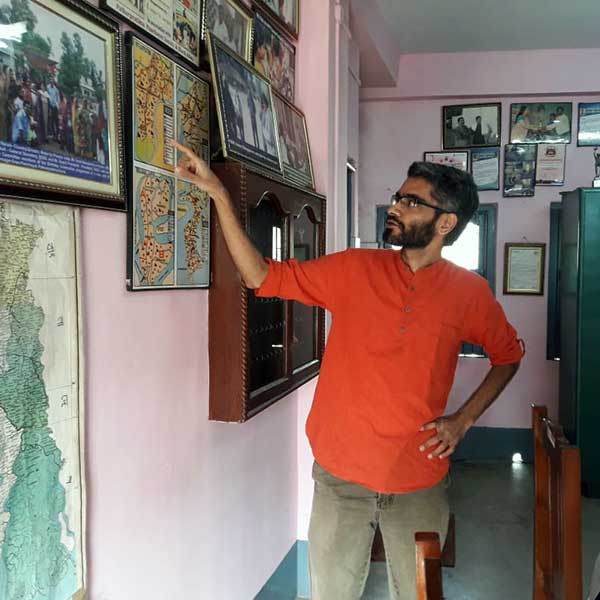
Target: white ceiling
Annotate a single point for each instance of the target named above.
(481, 25)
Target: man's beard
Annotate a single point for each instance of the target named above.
(418, 235)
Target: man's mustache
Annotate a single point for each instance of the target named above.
(390, 220)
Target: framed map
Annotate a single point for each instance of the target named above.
(169, 224)
(42, 475)
(173, 23)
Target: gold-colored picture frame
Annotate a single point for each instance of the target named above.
(524, 265)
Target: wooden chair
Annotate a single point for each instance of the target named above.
(429, 566)
(557, 517)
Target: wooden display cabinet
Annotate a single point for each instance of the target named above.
(260, 349)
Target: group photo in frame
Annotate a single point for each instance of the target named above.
(61, 126)
(520, 162)
(541, 122)
(231, 22)
(458, 160)
(286, 13)
(471, 125)
(550, 167)
(293, 143)
(588, 130)
(485, 168)
(245, 109)
(524, 265)
(274, 57)
(169, 220)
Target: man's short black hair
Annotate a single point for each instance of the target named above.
(453, 189)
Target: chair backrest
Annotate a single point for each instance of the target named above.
(557, 518)
(429, 566)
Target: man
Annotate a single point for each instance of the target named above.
(478, 137)
(463, 135)
(563, 126)
(376, 428)
(54, 102)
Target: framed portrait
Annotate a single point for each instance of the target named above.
(286, 13)
(274, 57)
(471, 125)
(550, 167)
(458, 160)
(231, 22)
(61, 127)
(245, 109)
(293, 143)
(174, 23)
(485, 168)
(588, 131)
(169, 220)
(541, 122)
(524, 269)
(519, 169)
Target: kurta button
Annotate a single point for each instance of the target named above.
(412, 288)
(407, 309)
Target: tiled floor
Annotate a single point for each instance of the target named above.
(492, 503)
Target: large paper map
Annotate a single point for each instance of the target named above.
(41, 467)
(170, 217)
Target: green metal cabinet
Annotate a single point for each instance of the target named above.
(579, 400)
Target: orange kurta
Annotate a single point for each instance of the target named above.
(390, 357)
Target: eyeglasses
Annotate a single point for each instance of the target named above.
(412, 201)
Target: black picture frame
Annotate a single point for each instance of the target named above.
(485, 154)
(93, 105)
(245, 51)
(519, 174)
(181, 191)
(588, 133)
(448, 158)
(272, 9)
(538, 123)
(470, 133)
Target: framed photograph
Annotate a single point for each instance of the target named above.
(550, 168)
(274, 57)
(231, 22)
(286, 13)
(519, 169)
(588, 131)
(245, 109)
(458, 160)
(485, 168)
(61, 126)
(524, 269)
(548, 122)
(169, 220)
(293, 143)
(471, 125)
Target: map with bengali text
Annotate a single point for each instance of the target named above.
(42, 488)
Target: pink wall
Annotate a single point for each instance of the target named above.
(392, 135)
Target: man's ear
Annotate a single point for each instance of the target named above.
(446, 223)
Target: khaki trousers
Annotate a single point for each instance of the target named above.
(342, 526)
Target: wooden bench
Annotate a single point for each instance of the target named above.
(557, 515)
(429, 566)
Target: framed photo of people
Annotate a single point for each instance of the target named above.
(524, 269)
(550, 167)
(174, 23)
(61, 126)
(231, 22)
(245, 109)
(471, 125)
(519, 169)
(458, 160)
(485, 168)
(169, 226)
(274, 57)
(541, 122)
(293, 143)
(286, 13)
(588, 130)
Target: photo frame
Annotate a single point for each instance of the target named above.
(245, 109)
(169, 220)
(293, 143)
(285, 13)
(550, 166)
(61, 137)
(524, 265)
(231, 22)
(541, 122)
(458, 160)
(274, 57)
(471, 125)
(588, 125)
(520, 162)
(485, 168)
